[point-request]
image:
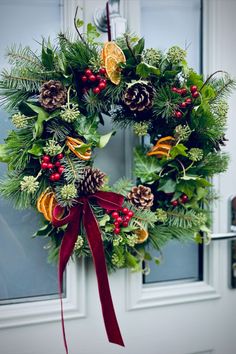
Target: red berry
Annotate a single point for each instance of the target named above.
(88, 72)
(188, 100)
(178, 114)
(125, 223)
(195, 94)
(103, 80)
(183, 105)
(60, 156)
(56, 176)
(174, 89)
(125, 210)
(193, 88)
(115, 215)
(61, 169)
(96, 90)
(130, 213)
(52, 177)
(119, 219)
(102, 71)
(116, 224)
(184, 198)
(50, 165)
(127, 218)
(92, 78)
(44, 165)
(183, 91)
(116, 230)
(46, 158)
(84, 78)
(179, 91)
(175, 202)
(102, 85)
(58, 164)
(98, 77)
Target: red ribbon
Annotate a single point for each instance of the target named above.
(83, 212)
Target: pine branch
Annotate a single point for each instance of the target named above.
(58, 129)
(185, 218)
(23, 56)
(21, 79)
(74, 168)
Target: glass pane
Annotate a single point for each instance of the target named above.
(24, 271)
(164, 24)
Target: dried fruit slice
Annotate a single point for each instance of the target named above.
(112, 49)
(142, 235)
(112, 69)
(162, 147)
(73, 143)
(46, 203)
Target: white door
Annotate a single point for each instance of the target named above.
(186, 317)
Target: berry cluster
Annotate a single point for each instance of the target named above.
(182, 200)
(121, 220)
(95, 81)
(55, 168)
(188, 101)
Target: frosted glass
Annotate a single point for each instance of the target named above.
(24, 270)
(165, 23)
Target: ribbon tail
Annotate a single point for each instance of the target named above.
(96, 246)
(67, 246)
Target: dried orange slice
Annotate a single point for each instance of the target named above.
(73, 143)
(46, 203)
(112, 49)
(112, 69)
(142, 235)
(162, 147)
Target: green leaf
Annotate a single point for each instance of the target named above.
(178, 149)
(92, 32)
(87, 127)
(104, 139)
(44, 230)
(139, 47)
(47, 57)
(167, 186)
(187, 187)
(144, 70)
(37, 149)
(42, 116)
(83, 148)
(79, 23)
(170, 74)
(146, 167)
(4, 155)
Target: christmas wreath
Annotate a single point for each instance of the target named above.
(56, 99)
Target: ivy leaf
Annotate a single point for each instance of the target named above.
(104, 139)
(83, 148)
(79, 23)
(4, 155)
(146, 167)
(45, 230)
(187, 187)
(144, 70)
(104, 220)
(87, 128)
(167, 186)
(92, 32)
(178, 149)
(37, 149)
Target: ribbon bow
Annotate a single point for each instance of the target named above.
(82, 212)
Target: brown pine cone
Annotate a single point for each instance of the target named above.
(93, 180)
(52, 95)
(141, 197)
(139, 97)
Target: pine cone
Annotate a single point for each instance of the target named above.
(92, 182)
(52, 95)
(139, 97)
(141, 197)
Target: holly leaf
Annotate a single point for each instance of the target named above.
(167, 186)
(177, 150)
(104, 139)
(144, 70)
